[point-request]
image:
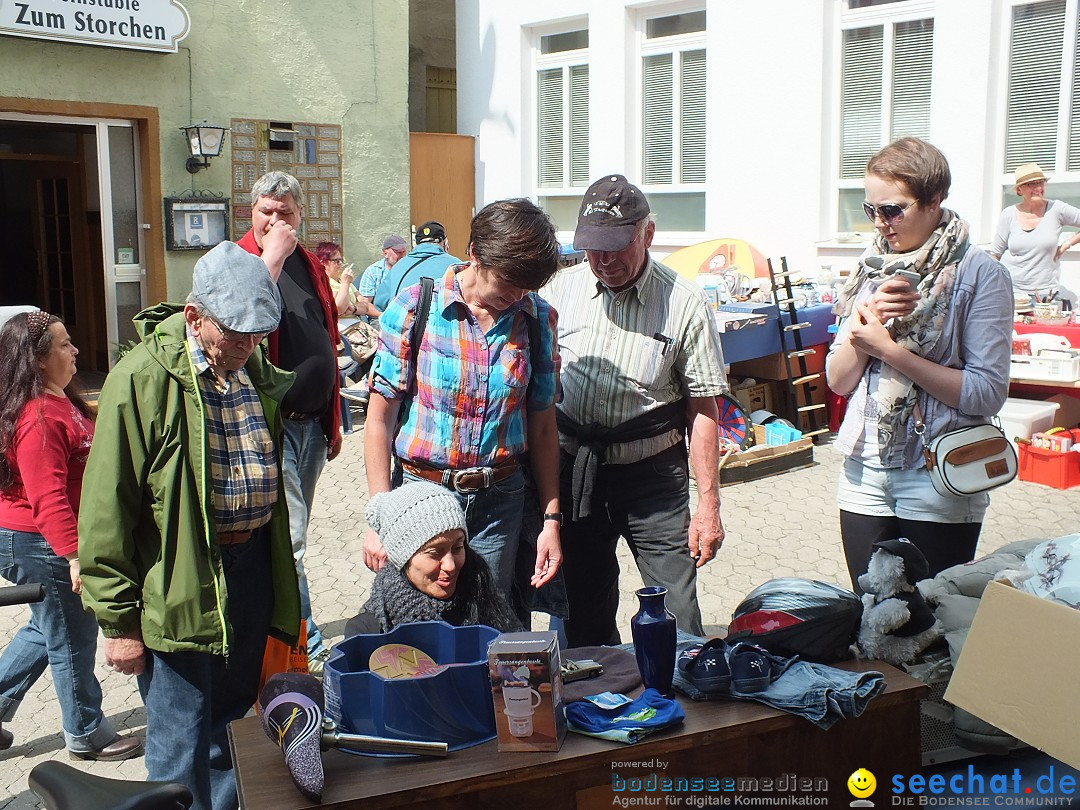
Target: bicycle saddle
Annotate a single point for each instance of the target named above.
(62, 787)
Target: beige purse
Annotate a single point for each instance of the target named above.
(362, 339)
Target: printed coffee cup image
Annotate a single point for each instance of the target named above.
(520, 701)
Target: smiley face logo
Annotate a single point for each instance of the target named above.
(862, 783)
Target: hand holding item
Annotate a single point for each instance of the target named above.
(374, 552)
(894, 298)
(868, 334)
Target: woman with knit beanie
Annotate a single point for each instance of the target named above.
(431, 574)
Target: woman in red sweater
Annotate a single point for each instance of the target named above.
(45, 433)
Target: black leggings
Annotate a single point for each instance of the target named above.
(943, 544)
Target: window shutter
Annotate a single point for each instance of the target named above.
(913, 53)
(549, 122)
(1034, 81)
(657, 119)
(692, 116)
(579, 125)
(1074, 112)
(860, 99)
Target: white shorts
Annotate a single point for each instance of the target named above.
(906, 494)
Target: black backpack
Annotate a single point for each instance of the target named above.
(804, 617)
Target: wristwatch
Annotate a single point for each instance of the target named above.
(556, 516)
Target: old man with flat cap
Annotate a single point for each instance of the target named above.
(641, 369)
(184, 538)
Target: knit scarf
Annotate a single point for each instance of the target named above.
(935, 261)
(394, 600)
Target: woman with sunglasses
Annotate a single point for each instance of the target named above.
(45, 433)
(340, 277)
(1028, 236)
(926, 321)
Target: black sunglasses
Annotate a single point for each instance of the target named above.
(889, 212)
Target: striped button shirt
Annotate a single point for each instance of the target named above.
(626, 353)
(469, 408)
(242, 458)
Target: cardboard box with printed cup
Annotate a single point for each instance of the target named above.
(1014, 670)
(772, 366)
(526, 688)
(757, 397)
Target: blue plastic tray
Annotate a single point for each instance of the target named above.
(452, 706)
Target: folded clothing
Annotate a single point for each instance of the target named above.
(627, 722)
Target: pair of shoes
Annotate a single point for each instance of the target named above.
(752, 668)
(706, 667)
(6, 739)
(317, 661)
(120, 748)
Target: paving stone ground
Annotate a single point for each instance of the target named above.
(781, 526)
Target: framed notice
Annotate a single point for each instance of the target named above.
(193, 223)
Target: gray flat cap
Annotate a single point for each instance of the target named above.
(237, 289)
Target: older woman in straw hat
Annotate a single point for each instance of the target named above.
(1028, 237)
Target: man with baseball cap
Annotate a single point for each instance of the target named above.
(642, 367)
(394, 249)
(184, 537)
(429, 259)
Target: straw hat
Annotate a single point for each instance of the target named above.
(1027, 172)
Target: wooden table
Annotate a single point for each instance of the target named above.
(721, 739)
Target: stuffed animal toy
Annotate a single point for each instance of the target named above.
(897, 623)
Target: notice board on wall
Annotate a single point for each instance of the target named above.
(308, 151)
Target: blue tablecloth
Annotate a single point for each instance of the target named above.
(760, 341)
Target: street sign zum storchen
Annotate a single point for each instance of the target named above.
(142, 25)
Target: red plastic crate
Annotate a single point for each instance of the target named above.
(1057, 470)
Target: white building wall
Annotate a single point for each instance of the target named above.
(773, 110)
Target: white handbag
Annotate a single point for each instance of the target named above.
(968, 460)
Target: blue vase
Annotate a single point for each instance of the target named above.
(653, 629)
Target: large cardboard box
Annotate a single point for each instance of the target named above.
(763, 460)
(760, 397)
(772, 367)
(1018, 670)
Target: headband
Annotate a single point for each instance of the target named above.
(37, 322)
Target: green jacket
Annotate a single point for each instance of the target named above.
(147, 551)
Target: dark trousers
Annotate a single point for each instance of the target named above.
(191, 697)
(648, 503)
(943, 544)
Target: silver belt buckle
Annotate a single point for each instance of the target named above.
(467, 490)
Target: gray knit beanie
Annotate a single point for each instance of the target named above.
(407, 517)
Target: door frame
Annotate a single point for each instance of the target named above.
(146, 122)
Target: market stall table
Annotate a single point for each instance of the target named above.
(721, 739)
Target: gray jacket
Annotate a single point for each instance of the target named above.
(976, 338)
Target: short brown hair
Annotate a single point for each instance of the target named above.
(515, 240)
(919, 165)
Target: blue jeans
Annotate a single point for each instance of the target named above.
(305, 457)
(60, 634)
(493, 517)
(191, 697)
(818, 692)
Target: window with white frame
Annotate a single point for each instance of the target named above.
(673, 119)
(562, 123)
(886, 74)
(1042, 103)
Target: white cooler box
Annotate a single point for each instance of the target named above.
(1023, 417)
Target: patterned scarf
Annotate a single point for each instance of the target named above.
(935, 261)
(394, 600)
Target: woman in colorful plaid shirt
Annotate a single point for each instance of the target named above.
(478, 399)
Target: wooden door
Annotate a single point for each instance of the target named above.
(442, 184)
(65, 283)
